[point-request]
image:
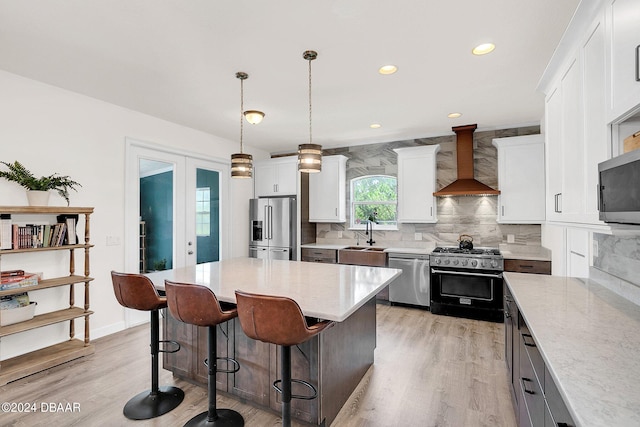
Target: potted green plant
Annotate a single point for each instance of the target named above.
(22, 176)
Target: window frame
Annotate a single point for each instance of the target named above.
(353, 204)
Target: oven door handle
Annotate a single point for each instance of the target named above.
(462, 273)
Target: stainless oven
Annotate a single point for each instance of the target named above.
(467, 285)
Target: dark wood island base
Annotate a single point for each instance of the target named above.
(334, 362)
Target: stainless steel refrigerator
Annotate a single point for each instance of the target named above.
(273, 223)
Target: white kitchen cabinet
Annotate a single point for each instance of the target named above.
(577, 252)
(623, 18)
(416, 184)
(596, 130)
(276, 177)
(327, 192)
(521, 179)
(576, 131)
(553, 135)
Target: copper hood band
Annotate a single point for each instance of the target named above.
(466, 184)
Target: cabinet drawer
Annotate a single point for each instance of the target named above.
(319, 255)
(531, 351)
(527, 266)
(531, 390)
(556, 405)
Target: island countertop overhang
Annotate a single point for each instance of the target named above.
(325, 291)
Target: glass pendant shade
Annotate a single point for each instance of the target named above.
(309, 158)
(241, 165)
(254, 116)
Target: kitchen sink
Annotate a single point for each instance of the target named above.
(363, 255)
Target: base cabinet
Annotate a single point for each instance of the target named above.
(334, 362)
(536, 400)
(527, 266)
(328, 256)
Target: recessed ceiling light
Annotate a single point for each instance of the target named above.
(375, 126)
(387, 69)
(454, 115)
(483, 49)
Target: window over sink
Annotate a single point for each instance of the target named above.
(374, 196)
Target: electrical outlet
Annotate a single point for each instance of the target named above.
(417, 236)
(511, 238)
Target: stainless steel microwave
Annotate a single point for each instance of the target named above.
(619, 184)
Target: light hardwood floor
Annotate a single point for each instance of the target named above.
(429, 371)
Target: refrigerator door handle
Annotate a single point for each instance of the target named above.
(270, 222)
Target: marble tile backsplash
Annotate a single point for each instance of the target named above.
(618, 255)
(475, 216)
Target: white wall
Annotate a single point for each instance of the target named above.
(53, 130)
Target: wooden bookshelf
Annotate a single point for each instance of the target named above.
(47, 357)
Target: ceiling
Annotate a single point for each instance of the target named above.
(177, 59)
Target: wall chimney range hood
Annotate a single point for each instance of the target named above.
(466, 184)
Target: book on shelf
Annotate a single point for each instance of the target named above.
(17, 279)
(8, 302)
(39, 235)
(70, 221)
(6, 233)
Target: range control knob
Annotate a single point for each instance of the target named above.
(446, 261)
(474, 263)
(465, 262)
(455, 262)
(437, 260)
(494, 263)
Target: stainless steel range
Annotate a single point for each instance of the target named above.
(467, 283)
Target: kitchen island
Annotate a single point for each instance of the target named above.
(334, 361)
(589, 340)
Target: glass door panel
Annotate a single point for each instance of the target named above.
(207, 209)
(156, 215)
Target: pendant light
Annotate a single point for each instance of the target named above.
(254, 116)
(241, 163)
(310, 155)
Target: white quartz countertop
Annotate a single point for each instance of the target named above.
(325, 291)
(533, 253)
(405, 250)
(589, 338)
(323, 246)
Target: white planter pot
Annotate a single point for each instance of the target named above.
(38, 198)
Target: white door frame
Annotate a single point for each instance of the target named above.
(136, 150)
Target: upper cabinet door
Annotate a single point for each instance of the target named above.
(624, 24)
(521, 179)
(276, 177)
(327, 192)
(416, 184)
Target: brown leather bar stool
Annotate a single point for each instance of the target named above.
(278, 320)
(198, 305)
(137, 292)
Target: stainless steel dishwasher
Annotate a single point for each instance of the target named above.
(412, 286)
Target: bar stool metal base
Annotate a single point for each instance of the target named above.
(147, 405)
(225, 418)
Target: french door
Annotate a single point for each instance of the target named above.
(174, 207)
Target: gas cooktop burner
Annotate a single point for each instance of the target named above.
(477, 251)
(467, 259)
